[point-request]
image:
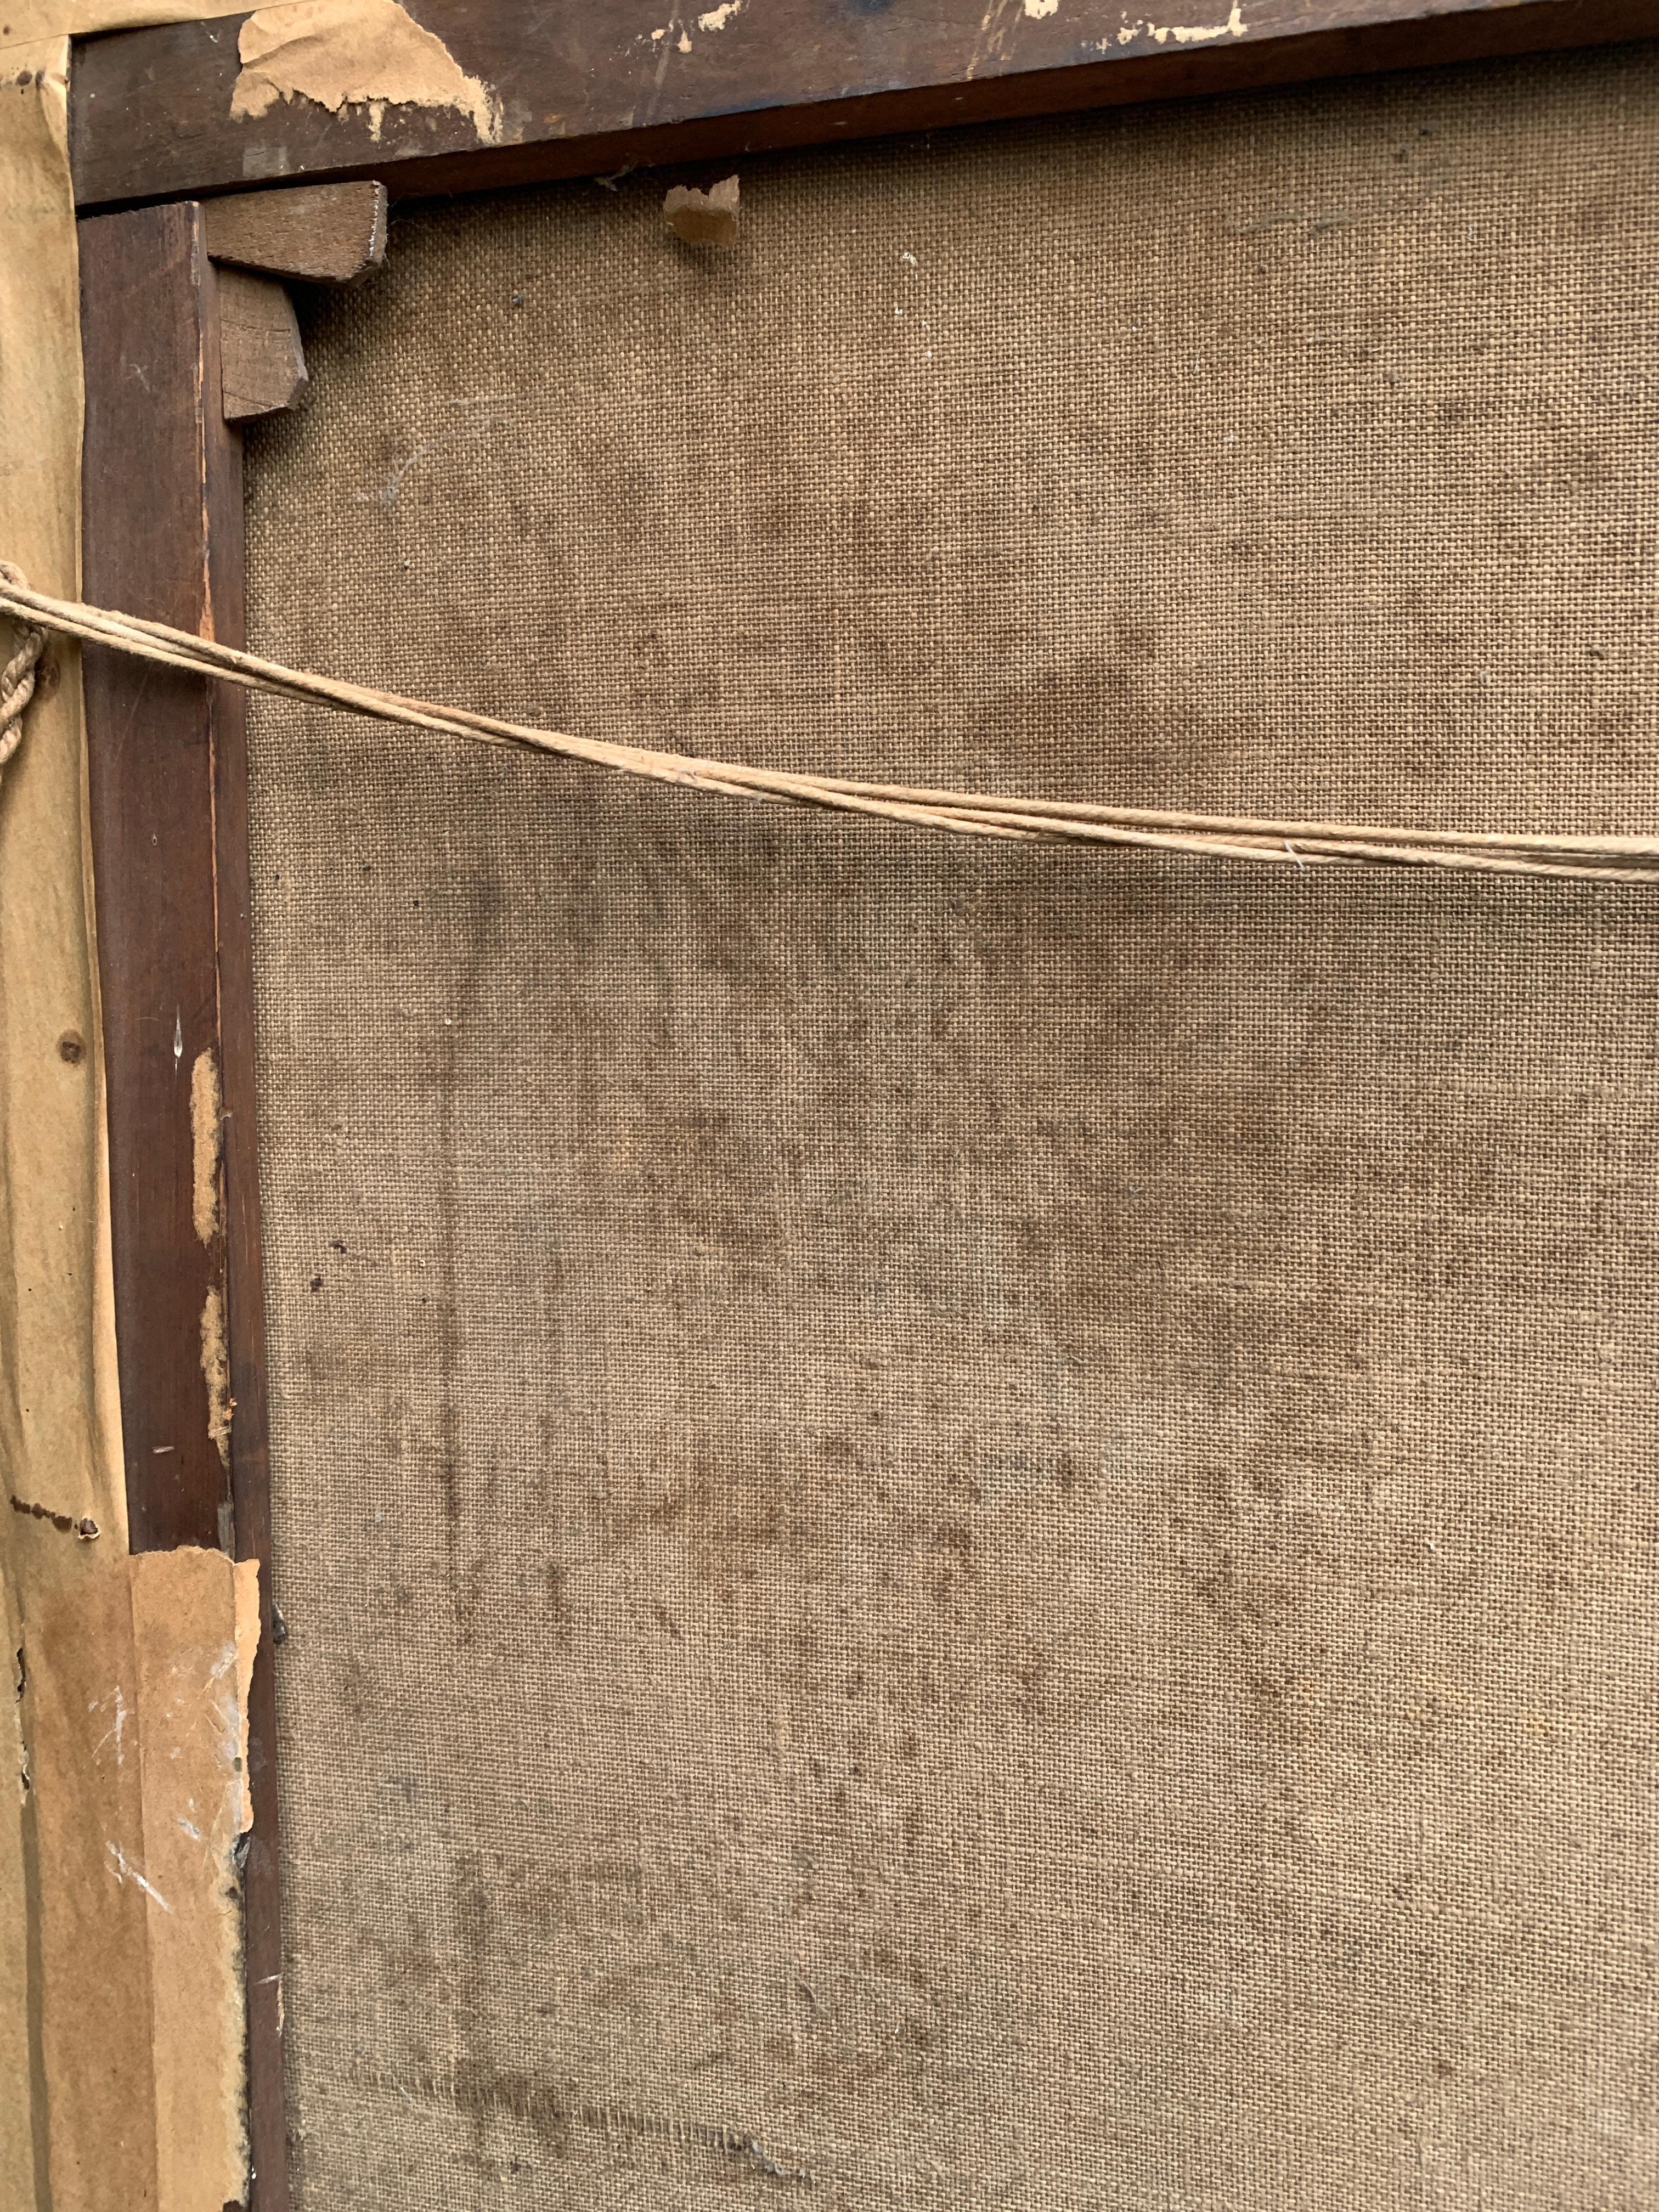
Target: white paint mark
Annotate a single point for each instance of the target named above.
(909, 259)
(718, 18)
(684, 42)
(388, 494)
(178, 1037)
(1184, 34)
(1195, 34)
(1036, 9)
(116, 1736)
(125, 1872)
(189, 1827)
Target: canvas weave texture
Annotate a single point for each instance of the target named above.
(967, 1527)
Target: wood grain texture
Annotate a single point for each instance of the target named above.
(262, 361)
(314, 233)
(154, 447)
(576, 89)
(163, 514)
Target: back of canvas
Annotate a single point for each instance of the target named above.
(966, 1525)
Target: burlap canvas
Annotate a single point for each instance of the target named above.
(967, 1527)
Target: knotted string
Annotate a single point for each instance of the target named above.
(17, 679)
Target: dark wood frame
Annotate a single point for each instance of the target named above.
(163, 539)
(168, 768)
(581, 90)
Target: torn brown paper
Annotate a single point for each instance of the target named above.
(136, 1708)
(207, 1133)
(701, 218)
(355, 53)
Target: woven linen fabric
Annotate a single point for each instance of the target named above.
(963, 1526)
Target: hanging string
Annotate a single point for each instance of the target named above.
(1299, 844)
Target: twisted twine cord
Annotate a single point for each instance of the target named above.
(1616, 860)
(17, 677)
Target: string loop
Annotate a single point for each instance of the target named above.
(17, 677)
